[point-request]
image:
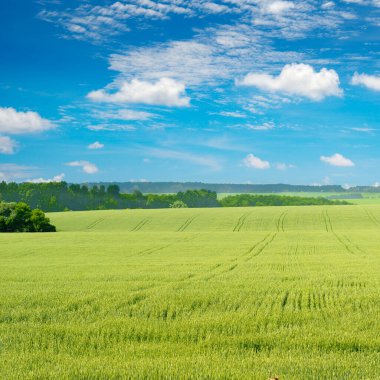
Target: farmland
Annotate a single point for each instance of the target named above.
(235, 293)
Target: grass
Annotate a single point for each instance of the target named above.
(194, 293)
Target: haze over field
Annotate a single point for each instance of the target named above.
(219, 91)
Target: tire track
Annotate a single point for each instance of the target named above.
(94, 224)
(325, 221)
(258, 248)
(187, 223)
(140, 225)
(329, 227)
(372, 217)
(349, 246)
(240, 223)
(280, 222)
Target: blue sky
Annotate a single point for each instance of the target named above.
(238, 91)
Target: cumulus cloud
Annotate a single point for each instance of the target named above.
(7, 145)
(299, 80)
(252, 161)
(57, 178)
(15, 122)
(278, 6)
(370, 81)
(87, 167)
(96, 145)
(337, 160)
(164, 92)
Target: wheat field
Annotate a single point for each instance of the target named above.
(232, 293)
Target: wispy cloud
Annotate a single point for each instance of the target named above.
(7, 145)
(198, 159)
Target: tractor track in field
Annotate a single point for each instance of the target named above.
(259, 247)
(248, 255)
(186, 224)
(372, 217)
(94, 224)
(240, 223)
(349, 246)
(327, 220)
(280, 222)
(140, 225)
(254, 251)
(149, 251)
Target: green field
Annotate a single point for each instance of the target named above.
(232, 293)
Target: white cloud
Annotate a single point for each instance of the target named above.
(11, 172)
(7, 145)
(297, 79)
(337, 160)
(261, 127)
(96, 145)
(165, 92)
(370, 81)
(252, 161)
(124, 114)
(328, 4)
(234, 114)
(87, 167)
(363, 129)
(96, 23)
(213, 56)
(14, 122)
(282, 166)
(278, 6)
(184, 156)
(111, 127)
(57, 178)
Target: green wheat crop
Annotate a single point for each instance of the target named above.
(194, 294)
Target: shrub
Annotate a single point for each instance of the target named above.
(19, 217)
(178, 204)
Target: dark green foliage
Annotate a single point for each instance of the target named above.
(19, 217)
(199, 198)
(175, 187)
(178, 204)
(62, 197)
(245, 200)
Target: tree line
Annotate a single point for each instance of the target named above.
(61, 196)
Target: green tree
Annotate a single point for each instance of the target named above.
(178, 204)
(19, 217)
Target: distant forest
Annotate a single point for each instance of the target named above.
(175, 187)
(61, 196)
